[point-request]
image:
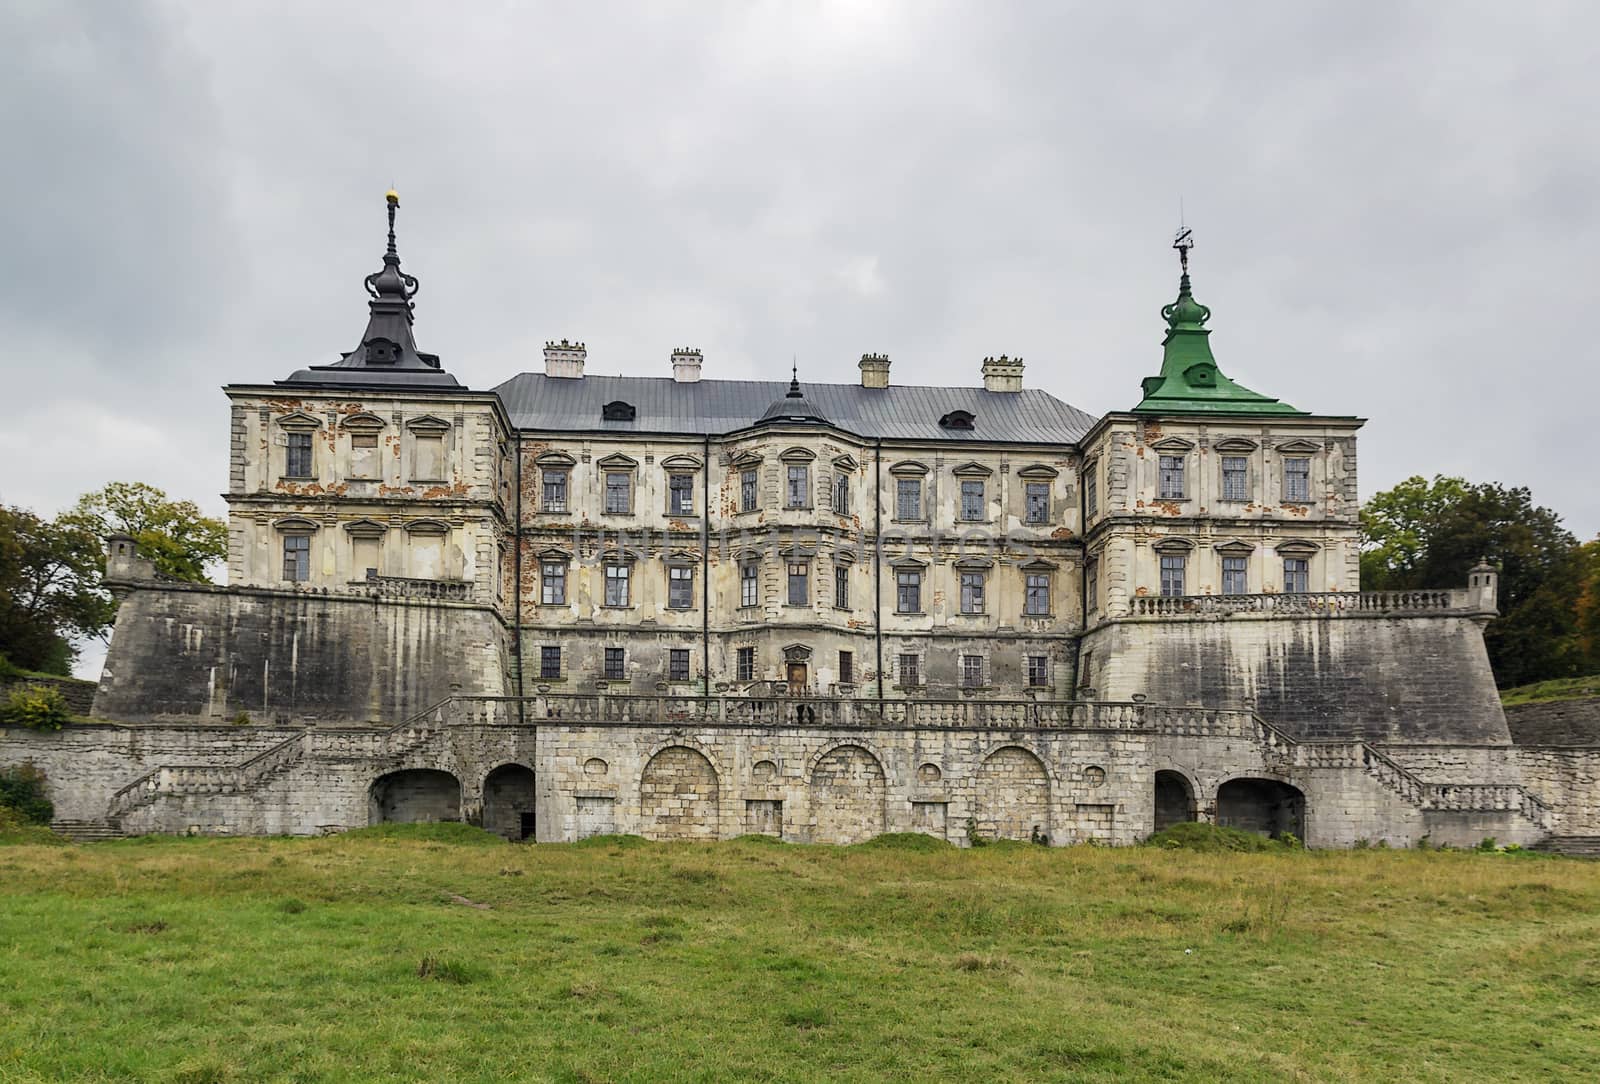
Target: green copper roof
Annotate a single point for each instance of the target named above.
(1190, 382)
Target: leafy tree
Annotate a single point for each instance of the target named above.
(174, 534)
(1588, 615)
(49, 590)
(1423, 534)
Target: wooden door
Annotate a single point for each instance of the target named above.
(797, 679)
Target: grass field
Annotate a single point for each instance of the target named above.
(396, 956)
(1578, 688)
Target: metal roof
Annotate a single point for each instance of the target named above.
(664, 405)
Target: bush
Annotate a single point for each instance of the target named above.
(1194, 836)
(906, 841)
(36, 707)
(22, 791)
(10, 671)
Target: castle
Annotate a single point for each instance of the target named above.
(692, 608)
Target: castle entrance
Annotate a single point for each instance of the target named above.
(797, 678)
(508, 802)
(1174, 800)
(1267, 807)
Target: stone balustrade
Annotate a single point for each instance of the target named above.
(1306, 604)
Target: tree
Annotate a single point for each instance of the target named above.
(1423, 534)
(49, 590)
(1589, 607)
(174, 534)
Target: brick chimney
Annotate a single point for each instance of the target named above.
(686, 365)
(564, 359)
(1002, 374)
(874, 370)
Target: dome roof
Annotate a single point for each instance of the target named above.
(793, 409)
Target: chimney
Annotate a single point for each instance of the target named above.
(874, 370)
(564, 358)
(1002, 374)
(686, 365)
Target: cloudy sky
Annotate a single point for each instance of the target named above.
(1395, 206)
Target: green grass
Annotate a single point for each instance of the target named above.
(406, 955)
(1578, 688)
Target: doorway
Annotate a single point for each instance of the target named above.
(797, 678)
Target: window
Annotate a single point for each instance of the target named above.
(847, 668)
(428, 457)
(748, 580)
(745, 665)
(971, 501)
(617, 585)
(364, 462)
(1296, 574)
(747, 491)
(1091, 586)
(908, 498)
(680, 494)
(1091, 489)
(909, 671)
(972, 584)
(841, 494)
(841, 587)
(1172, 575)
(619, 492)
(680, 588)
(971, 671)
(615, 664)
(1234, 575)
(908, 593)
(1235, 472)
(499, 571)
(1038, 670)
(553, 583)
(297, 460)
(1036, 595)
(678, 664)
(1038, 502)
(1171, 478)
(795, 495)
(297, 556)
(799, 585)
(549, 662)
(555, 491)
(1297, 479)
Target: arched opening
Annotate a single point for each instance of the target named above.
(1174, 800)
(1013, 796)
(1264, 806)
(414, 796)
(847, 796)
(508, 802)
(678, 796)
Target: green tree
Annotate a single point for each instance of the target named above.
(49, 590)
(174, 534)
(1588, 615)
(1423, 534)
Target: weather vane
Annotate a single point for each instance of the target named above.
(1183, 243)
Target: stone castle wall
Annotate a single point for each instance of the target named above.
(204, 653)
(1560, 722)
(1419, 678)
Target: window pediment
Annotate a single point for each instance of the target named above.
(1235, 548)
(681, 559)
(909, 467)
(1235, 445)
(796, 653)
(750, 557)
(299, 421)
(843, 557)
(1299, 447)
(680, 464)
(845, 463)
(553, 555)
(1173, 546)
(366, 528)
(427, 526)
(974, 564)
(364, 422)
(295, 525)
(617, 461)
(1297, 547)
(555, 461)
(908, 563)
(1039, 564)
(1173, 446)
(619, 557)
(428, 425)
(973, 469)
(1036, 472)
(798, 551)
(798, 455)
(744, 461)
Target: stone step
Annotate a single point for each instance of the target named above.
(1571, 846)
(86, 831)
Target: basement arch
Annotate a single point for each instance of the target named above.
(1268, 807)
(414, 796)
(1174, 800)
(508, 802)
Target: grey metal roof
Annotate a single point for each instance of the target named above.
(907, 412)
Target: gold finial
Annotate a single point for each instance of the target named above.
(393, 197)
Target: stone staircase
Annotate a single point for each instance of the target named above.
(87, 831)
(1571, 846)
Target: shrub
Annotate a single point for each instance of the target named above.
(1194, 836)
(10, 671)
(905, 841)
(22, 790)
(36, 707)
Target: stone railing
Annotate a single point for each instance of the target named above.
(207, 778)
(1304, 604)
(404, 587)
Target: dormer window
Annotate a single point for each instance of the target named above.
(617, 411)
(382, 352)
(957, 419)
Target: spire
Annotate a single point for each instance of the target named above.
(793, 408)
(1190, 381)
(794, 381)
(392, 285)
